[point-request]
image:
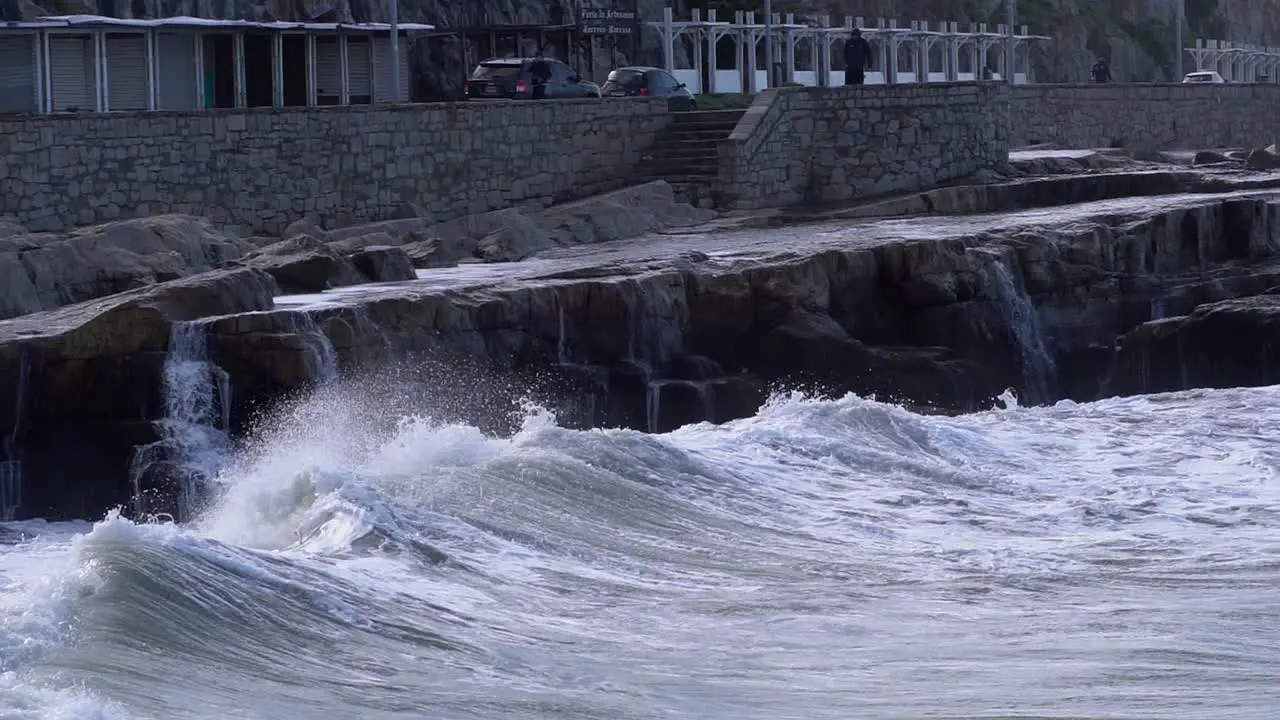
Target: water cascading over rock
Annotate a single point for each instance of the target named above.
(11, 464)
(1023, 322)
(172, 476)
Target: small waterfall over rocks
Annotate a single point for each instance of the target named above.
(10, 490)
(174, 477)
(11, 465)
(194, 438)
(587, 400)
(1038, 368)
(651, 384)
(322, 359)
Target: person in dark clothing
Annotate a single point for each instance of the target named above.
(857, 58)
(540, 72)
(1101, 71)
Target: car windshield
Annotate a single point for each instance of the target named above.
(627, 78)
(1200, 77)
(495, 70)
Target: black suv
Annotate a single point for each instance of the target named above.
(510, 79)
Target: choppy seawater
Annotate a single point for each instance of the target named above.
(825, 559)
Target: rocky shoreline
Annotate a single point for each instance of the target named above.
(630, 310)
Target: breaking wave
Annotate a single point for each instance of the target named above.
(823, 559)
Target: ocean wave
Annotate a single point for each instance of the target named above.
(383, 567)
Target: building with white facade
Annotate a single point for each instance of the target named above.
(89, 63)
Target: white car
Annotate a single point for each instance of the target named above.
(1207, 76)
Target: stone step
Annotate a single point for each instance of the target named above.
(695, 134)
(687, 140)
(691, 152)
(687, 184)
(672, 171)
(709, 117)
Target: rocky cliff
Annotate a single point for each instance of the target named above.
(1011, 287)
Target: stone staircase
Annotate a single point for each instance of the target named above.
(684, 152)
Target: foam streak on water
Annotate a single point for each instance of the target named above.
(824, 559)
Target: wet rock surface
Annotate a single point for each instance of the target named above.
(42, 271)
(942, 312)
(1228, 343)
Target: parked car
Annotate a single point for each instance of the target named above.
(652, 81)
(510, 79)
(1204, 76)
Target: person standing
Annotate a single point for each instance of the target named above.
(540, 73)
(857, 58)
(1101, 71)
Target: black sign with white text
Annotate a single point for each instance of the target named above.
(608, 21)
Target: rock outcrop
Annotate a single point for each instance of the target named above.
(83, 384)
(940, 312)
(44, 271)
(1229, 343)
(518, 233)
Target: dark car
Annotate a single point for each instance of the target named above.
(511, 79)
(651, 81)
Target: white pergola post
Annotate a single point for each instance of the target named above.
(668, 41)
(242, 94)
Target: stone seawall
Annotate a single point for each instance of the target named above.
(264, 168)
(831, 145)
(1157, 117)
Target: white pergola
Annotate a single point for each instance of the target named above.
(1236, 63)
(903, 55)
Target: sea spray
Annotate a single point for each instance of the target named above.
(1020, 314)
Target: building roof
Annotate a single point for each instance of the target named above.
(63, 21)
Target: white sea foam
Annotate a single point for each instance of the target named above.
(824, 559)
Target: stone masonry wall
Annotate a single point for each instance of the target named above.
(831, 145)
(1157, 117)
(264, 168)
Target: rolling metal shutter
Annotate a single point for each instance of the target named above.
(127, 72)
(176, 76)
(71, 72)
(17, 74)
(382, 66)
(360, 85)
(328, 71)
